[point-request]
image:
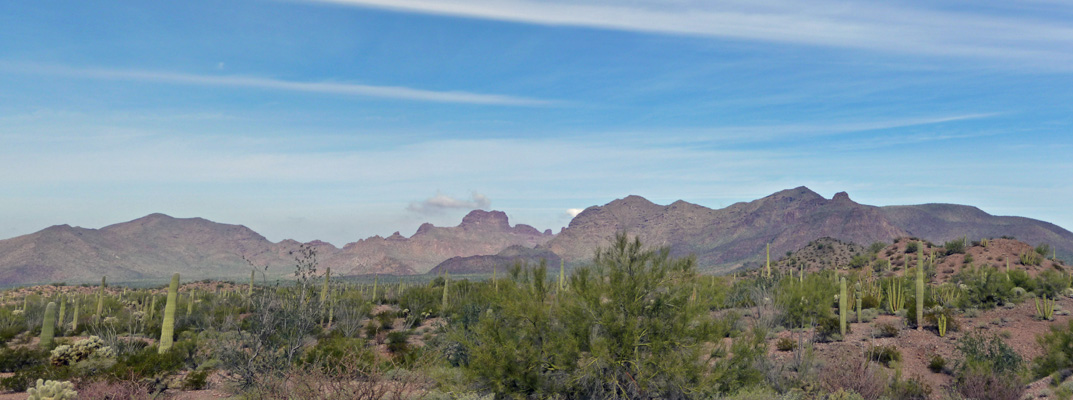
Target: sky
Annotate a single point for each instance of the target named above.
(342, 119)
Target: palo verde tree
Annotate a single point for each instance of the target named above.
(623, 328)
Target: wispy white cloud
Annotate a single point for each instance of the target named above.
(902, 28)
(252, 82)
(441, 202)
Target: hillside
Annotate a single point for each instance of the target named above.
(727, 238)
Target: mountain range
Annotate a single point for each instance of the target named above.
(155, 246)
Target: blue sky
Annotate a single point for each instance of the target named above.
(338, 120)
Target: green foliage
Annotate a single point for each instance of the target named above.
(886, 330)
(936, 363)
(802, 304)
(1057, 348)
(48, 326)
(1030, 258)
(624, 328)
(52, 390)
(23, 357)
(1043, 249)
(990, 353)
(884, 354)
(912, 247)
(785, 344)
(956, 246)
(985, 287)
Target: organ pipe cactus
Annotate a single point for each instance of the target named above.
(895, 295)
(1045, 308)
(941, 320)
(48, 325)
(167, 330)
(920, 287)
(842, 305)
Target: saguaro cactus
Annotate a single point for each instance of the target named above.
(858, 293)
(446, 283)
(48, 325)
(167, 330)
(767, 268)
(100, 297)
(562, 274)
(74, 318)
(920, 286)
(63, 313)
(842, 303)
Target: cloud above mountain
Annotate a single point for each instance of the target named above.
(440, 203)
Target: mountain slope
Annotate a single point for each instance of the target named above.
(787, 220)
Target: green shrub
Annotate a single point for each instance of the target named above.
(197, 379)
(1057, 351)
(785, 344)
(937, 363)
(988, 353)
(884, 354)
(956, 246)
(22, 357)
(913, 388)
(886, 330)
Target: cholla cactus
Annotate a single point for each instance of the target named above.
(52, 390)
(81, 350)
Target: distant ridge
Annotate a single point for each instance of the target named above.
(155, 246)
(787, 220)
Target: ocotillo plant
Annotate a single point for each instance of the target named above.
(920, 286)
(842, 303)
(48, 325)
(167, 329)
(1045, 308)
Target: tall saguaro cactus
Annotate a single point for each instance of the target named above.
(842, 303)
(253, 276)
(63, 313)
(100, 297)
(167, 330)
(767, 268)
(446, 283)
(74, 318)
(48, 325)
(920, 286)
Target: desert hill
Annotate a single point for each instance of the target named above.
(156, 245)
(787, 220)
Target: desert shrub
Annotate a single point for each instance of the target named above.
(886, 330)
(989, 369)
(803, 303)
(398, 342)
(828, 329)
(913, 388)
(197, 379)
(854, 374)
(884, 354)
(148, 363)
(859, 261)
(1043, 249)
(985, 287)
(912, 247)
(981, 384)
(1057, 351)
(114, 390)
(334, 351)
(422, 301)
(956, 246)
(18, 358)
(1050, 283)
(785, 344)
(936, 363)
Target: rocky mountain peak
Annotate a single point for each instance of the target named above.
(488, 220)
